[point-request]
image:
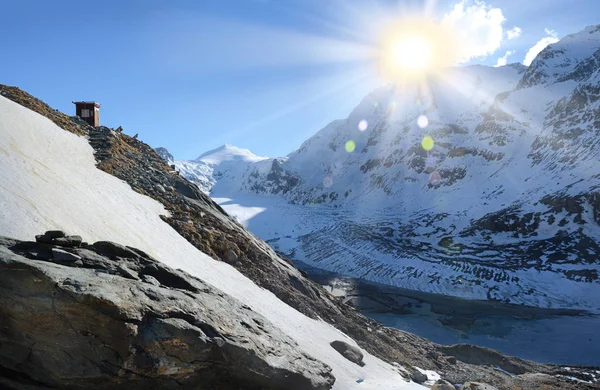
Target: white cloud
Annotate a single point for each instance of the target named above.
(513, 33)
(478, 26)
(502, 60)
(540, 45)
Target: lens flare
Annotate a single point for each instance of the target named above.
(422, 121)
(427, 143)
(362, 125)
(350, 146)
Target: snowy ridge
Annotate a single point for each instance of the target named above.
(228, 152)
(556, 62)
(225, 164)
(49, 180)
(505, 205)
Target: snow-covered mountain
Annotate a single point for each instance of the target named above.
(224, 165)
(481, 183)
(164, 153)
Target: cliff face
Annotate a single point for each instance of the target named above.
(106, 316)
(194, 216)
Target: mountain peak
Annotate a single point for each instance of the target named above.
(228, 152)
(165, 154)
(558, 61)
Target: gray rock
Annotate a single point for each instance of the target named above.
(442, 385)
(151, 280)
(113, 250)
(55, 234)
(68, 241)
(67, 327)
(348, 351)
(231, 256)
(160, 188)
(127, 273)
(418, 377)
(477, 386)
(42, 238)
(62, 255)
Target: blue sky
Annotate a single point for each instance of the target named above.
(258, 74)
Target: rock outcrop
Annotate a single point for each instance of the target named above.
(111, 317)
(348, 351)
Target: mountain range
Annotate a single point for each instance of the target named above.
(480, 182)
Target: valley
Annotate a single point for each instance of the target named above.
(559, 336)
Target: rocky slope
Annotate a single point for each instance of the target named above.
(109, 316)
(204, 225)
(482, 185)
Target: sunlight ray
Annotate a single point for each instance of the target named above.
(341, 83)
(243, 46)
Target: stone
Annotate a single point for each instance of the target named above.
(127, 273)
(348, 351)
(442, 385)
(231, 256)
(42, 238)
(68, 241)
(151, 280)
(418, 377)
(168, 277)
(477, 386)
(66, 327)
(451, 360)
(160, 188)
(55, 234)
(62, 255)
(113, 250)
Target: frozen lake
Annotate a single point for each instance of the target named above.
(543, 335)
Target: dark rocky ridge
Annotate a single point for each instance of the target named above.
(114, 318)
(204, 224)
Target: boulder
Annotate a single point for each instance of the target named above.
(477, 386)
(113, 250)
(231, 256)
(67, 241)
(418, 377)
(442, 385)
(42, 238)
(69, 327)
(348, 351)
(55, 234)
(62, 255)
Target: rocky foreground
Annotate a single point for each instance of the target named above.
(48, 287)
(75, 315)
(106, 316)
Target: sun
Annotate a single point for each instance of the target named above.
(412, 52)
(410, 49)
